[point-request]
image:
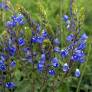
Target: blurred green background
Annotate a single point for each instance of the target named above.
(57, 7)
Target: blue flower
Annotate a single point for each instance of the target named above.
(13, 17)
(78, 55)
(51, 72)
(54, 62)
(26, 49)
(82, 60)
(40, 39)
(40, 67)
(34, 40)
(77, 73)
(64, 53)
(21, 41)
(10, 85)
(82, 46)
(19, 18)
(65, 67)
(10, 24)
(21, 22)
(44, 33)
(12, 50)
(70, 37)
(43, 57)
(13, 64)
(56, 41)
(3, 57)
(84, 37)
(1, 62)
(75, 57)
(65, 17)
(2, 67)
(57, 49)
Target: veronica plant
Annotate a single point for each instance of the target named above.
(32, 48)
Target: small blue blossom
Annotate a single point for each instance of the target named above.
(82, 46)
(40, 67)
(2, 67)
(44, 33)
(26, 49)
(70, 47)
(77, 73)
(41, 62)
(43, 57)
(13, 17)
(65, 67)
(21, 22)
(18, 18)
(10, 85)
(10, 24)
(21, 41)
(78, 55)
(13, 64)
(40, 39)
(51, 72)
(12, 50)
(82, 60)
(57, 49)
(70, 37)
(56, 41)
(65, 17)
(3, 57)
(64, 53)
(84, 37)
(34, 40)
(54, 62)
(75, 58)
(1, 62)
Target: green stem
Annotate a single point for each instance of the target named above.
(33, 82)
(53, 86)
(45, 77)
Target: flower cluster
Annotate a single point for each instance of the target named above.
(15, 20)
(76, 48)
(4, 66)
(34, 45)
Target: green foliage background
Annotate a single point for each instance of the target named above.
(54, 8)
